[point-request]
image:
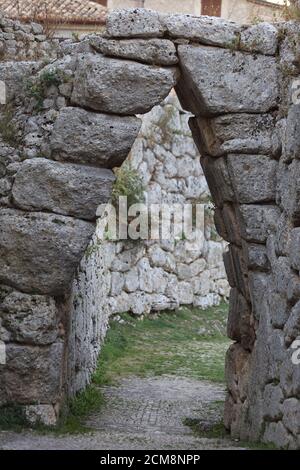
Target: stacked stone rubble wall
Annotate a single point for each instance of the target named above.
(81, 111)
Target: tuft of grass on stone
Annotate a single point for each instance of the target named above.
(37, 88)
(128, 184)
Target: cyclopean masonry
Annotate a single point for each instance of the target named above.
(66, 124)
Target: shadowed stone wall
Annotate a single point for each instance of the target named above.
(77, 120)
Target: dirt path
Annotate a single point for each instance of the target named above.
(141, 413)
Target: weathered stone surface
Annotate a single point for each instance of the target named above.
(279, 309)
(128, 258)
(261, 37)
(41, 414)
(187, 271)
(30, 319)
(292, 326)
(218, 180)
(15, 76)
(185, 293)
(32, 373)
(288, 189)
(228, 82)
(253, 177)
(273, 398)
(227, 223)
(204, 29)
(291, 415)
(240, 326)
(133, 22)
(293, 289)
(258, 283)
(258, 221)
(276, 432)
(281, 273)
(295, 249)
(85, 137)
(256, 257)
(290, 374)
(120, 86)
(236, 269)
(131, 282)
(235, 133)
(117, 283)
(292, 138)
(65, 189)
(149, 51)
(47, 244)
(236, 363)
(202, 284)
(158, 257)
(145, 275)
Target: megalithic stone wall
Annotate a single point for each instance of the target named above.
(79, 112)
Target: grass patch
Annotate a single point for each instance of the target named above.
(12, 418)
(85, 403)
(187, 343)
(217, 431)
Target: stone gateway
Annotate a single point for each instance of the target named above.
(67, 123)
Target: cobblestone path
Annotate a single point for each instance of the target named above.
(140, 414)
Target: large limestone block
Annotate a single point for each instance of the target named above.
(256, 257)
(288, 189)
(65, 189)
(236, 269)
(235, 133)
(236, 368)
(275, 432)
(291, 415)
(262, 37)
(120, 86)
(15, 76)
(253, 177)
(273, 398)
(39, 252)
(33, 373)
(219, 81)
(30, 319)
(102, 140)
(227, 223)
(292, 137)
(205, 29)
(240, 326)
(133, 22)
(149, 51)
(218, 179)
(258, 221)
(292, 326)
(295, 249)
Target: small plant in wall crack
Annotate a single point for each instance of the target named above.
(38, 87)
(128, 184)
